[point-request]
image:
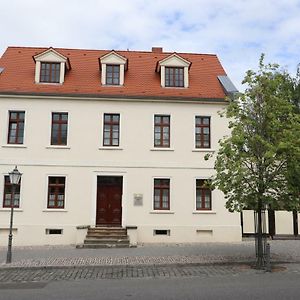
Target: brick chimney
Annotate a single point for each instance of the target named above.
(157, 49)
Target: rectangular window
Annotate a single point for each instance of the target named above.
(16, 127)
(50, 72)
(111, 130)
(7, 195)
(203, 195)
(174, 77)
(161, 194)
(113, 74)
(202, 132)
(161, 131)
(59, 128)
(56, 192)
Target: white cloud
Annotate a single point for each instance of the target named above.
(237, 31)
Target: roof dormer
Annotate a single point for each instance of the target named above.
(50, 67)
(174, 71)
(113, 67)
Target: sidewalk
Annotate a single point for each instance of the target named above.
(158, 254)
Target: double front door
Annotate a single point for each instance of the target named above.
(109, 200)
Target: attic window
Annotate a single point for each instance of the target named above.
(174, 77)
(50, 72)
(113, 67)
(113, 74)
(174, 71)
(51, 67)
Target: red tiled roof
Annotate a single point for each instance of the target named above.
(84, 78)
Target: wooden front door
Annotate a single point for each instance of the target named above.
(109, 200)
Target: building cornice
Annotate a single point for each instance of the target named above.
(97, 97)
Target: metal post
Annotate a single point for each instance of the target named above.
(10, 236)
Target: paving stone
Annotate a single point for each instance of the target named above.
(105, 272)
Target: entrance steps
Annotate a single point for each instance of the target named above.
(106, 237)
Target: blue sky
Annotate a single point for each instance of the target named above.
(237, 31)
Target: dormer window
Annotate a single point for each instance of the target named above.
(174, 77)
(50, 67)
(50, 72)
(113, 74)
(113, 67)
(174, 71)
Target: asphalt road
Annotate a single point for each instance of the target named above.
(283, 285)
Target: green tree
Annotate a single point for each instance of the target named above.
(258, 165)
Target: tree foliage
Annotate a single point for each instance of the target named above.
(259, 163)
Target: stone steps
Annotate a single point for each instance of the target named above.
(106, 237)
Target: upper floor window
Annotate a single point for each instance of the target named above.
(161, 194)
(8, 196)
(174, 77)
(111, 130)
(59, 128)
(16, 127)
(56, 192)
(202, 132)
(50, 72)
(113, 74)
(161, 131)
(203, 195)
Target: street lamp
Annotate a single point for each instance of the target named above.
(14, 178)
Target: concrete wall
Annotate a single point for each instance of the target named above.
(84, 158)
(283, 222)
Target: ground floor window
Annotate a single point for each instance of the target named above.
(203, 195)
(8, 196)
(56, 192)
(161, 194)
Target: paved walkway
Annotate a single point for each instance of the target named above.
(147, 255)
(117, 272)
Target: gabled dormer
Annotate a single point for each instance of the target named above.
(174, 71)
(50, 67)
(113, 67)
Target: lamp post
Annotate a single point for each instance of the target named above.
(14, 178)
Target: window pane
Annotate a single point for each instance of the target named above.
(64, 117)
(115, 118)
(157, 129)
(107, 118)
(106, 142)
(206, 130)
(166, 120)
(206, 121)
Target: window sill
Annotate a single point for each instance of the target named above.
(110, 148)
(14, 146)
(204, 212)
(9, 209)
(162, 149)
(175, 87)
(203, 150)
(49, 83)
(112, 85)
(162, 212)
(58, 147)
(55, 210)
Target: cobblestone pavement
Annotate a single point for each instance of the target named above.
(116, 272)
(206, 253)
(129, 261)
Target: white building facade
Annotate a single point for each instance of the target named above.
(117, 152)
